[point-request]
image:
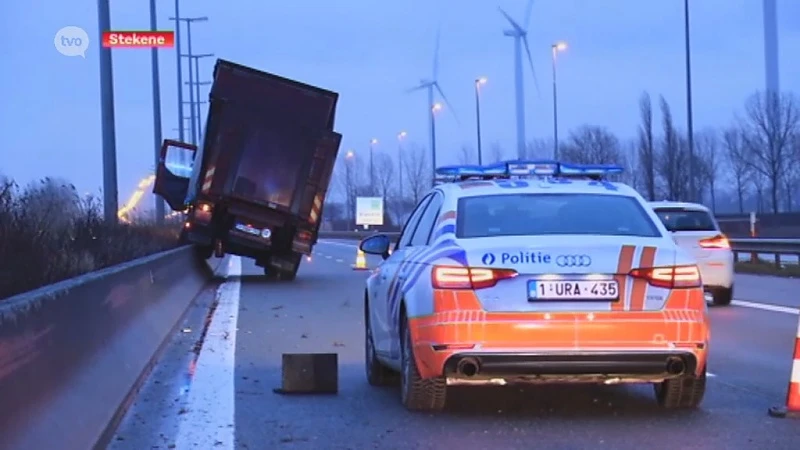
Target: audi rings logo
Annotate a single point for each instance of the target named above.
(573, 260)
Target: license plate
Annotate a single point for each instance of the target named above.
(573, 290)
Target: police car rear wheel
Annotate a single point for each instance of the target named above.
(416, 393)
(685, 392)
(377, 373)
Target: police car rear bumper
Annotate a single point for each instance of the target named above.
(590, 366)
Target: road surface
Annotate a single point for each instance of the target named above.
(224, 398)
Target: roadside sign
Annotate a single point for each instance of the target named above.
(369, 210)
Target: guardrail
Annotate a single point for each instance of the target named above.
(73, 354)
(753, 246)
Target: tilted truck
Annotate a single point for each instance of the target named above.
(257, 184)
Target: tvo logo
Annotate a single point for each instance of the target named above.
(573, 261)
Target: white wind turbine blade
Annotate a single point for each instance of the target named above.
(530, 61)
(527, 17)
(447, 102)
(513, 23)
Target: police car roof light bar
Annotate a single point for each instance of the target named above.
(523, 168)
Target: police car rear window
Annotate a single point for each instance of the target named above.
(552, 214)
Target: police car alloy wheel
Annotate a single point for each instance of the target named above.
(416, 393)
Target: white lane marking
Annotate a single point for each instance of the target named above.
(209, 418)
(328, 256)
(711, 375)
(341, 244)
(766, 307)
(340, 260)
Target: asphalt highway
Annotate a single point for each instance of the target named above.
(223, 398)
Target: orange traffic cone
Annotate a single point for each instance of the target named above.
(361, 261)
(792, 408)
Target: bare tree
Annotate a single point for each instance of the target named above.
(496, 153)
(385, 182)
(418, 173)
(671, 157)
(539, 149)
(770, 124)
(647, 149)
(347, 181)
(736, 157)
(629, 159)
(591, 144)
(707, 150)
(467, 155)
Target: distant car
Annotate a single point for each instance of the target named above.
(531, 272)
(695, 229)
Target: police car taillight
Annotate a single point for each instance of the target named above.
(454, 277)
(671, 277)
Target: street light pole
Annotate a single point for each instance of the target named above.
(180, 68)
(434, 109)
(557, 47)
(372, 143)
(189, 21)
(478, 82)
(197, 84)
(400, 138)
(689, 124)
(110, 200)
(156, 107)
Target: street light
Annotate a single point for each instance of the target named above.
(556, 48)
(349, 154)
(434, 109)
(400, 137)
(372, 143)
(478, 83)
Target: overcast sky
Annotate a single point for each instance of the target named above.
(371, 52)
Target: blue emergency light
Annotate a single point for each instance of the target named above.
(527, 168)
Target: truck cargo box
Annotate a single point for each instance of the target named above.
(269, 141)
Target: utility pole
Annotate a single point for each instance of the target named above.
(197, 83)
(689, 124)
(156, 107)
(110, 200)
(177, 19)
(189, 21)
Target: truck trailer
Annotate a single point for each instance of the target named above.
(257, 185)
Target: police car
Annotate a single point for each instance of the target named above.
(534, 272)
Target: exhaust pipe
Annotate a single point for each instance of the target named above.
(675, 366)
(468, 367)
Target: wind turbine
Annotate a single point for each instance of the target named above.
(520, 35)
(430, 85)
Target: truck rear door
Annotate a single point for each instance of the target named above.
(173, 173)
(318, 179)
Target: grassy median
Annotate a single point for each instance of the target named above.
(49, 233)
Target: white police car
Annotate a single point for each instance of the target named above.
(534, 272)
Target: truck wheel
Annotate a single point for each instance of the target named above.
(276, 274)
(685, 392)
(203, 251)
(416, 393)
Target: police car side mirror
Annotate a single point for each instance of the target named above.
(376, 245)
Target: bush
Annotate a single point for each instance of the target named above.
(49, 233)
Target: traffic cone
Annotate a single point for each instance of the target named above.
(361, 261)
(792, 408)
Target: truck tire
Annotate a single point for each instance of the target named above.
(276, 274)
(203, 251)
